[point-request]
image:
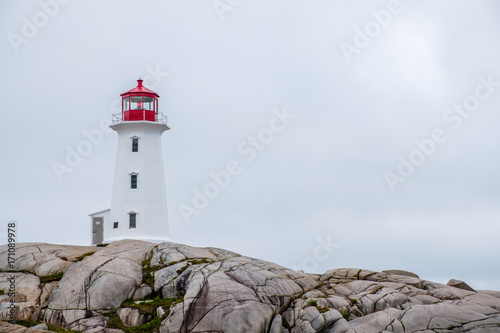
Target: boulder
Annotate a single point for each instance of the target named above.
(41, 327)
(132, 317)
(27, 294)
(142, 293)
(86, 285)
(88, 324)
(459, 284)
(400, 272)
(16, 299)
(160, 311)
(43, 259)
(26, 284)
(276, 325)
(10, 328)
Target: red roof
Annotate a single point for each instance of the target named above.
(140, 90)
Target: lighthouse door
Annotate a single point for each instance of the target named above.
(97, 223)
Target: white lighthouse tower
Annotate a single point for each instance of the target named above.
(138, 203)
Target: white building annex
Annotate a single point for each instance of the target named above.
(138, 203)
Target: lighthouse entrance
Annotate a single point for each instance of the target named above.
(97, 223)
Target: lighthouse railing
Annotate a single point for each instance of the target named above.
(160, 118)
(117, 117)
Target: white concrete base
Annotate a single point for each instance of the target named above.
(146, 239)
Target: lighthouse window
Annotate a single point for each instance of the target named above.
(132, 220)
(148, 103)
(136, 103)
(133, 181)
(135, 145)
(115, 225)
(125, 104)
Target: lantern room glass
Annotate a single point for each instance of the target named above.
(136, 103)
(148, 103)
(125, 104)
(140, 103)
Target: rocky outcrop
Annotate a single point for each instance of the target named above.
(175, 288)
(459, 284)
(43, 259)
(6, 327)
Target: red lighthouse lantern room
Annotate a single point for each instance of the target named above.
(139, 104)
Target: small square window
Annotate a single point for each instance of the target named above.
(133, 181)
(132, 220)
(135, 145)
(115, 225)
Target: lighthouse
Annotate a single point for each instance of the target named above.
(138, 202)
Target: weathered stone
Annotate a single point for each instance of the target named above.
(427, 299)
(103, 330)
(26, 284)
(43, 259)
(438, 316)
(313, 294)
(478, 299)
(303, 327)
(64, 318)
(47, 290)
(27, 292)
(276, 324)
(169, 253)
(449, 293)
(312, 315)
(340, 326)
(142, 293)
(132, 317)
(489, 292)
(410, 302)
(86, 284)
(331, 317)
(10, 328)
(128, 249)
(400, 272)
(41, 327)
(335, 302)
(347, 274)
(24, 310)
(395, 278)
(160, 311)
(288, 318)
(215, 290)
(168, 274)
(389, 299)
(16, 299)
(87, 324)
(374, 323)
(459, 284)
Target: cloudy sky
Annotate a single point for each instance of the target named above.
(366, 131)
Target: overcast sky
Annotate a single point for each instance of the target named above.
(384, 153)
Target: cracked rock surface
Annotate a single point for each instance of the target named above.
(175, 288)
